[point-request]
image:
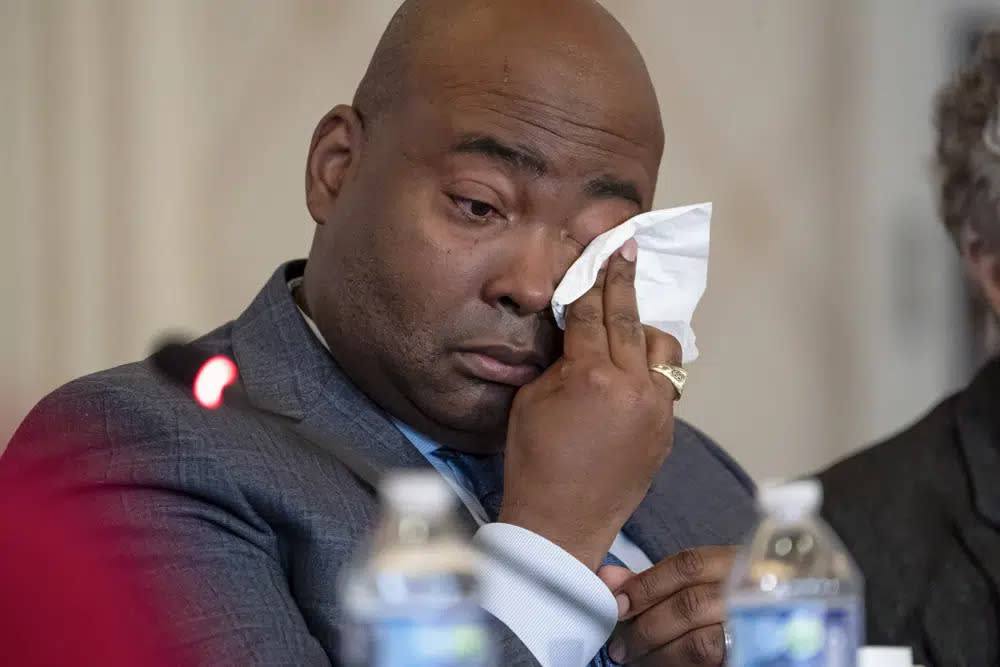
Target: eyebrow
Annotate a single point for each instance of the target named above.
(525, 159)
(519, 157)
(608, 187)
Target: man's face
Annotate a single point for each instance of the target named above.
(434, 275)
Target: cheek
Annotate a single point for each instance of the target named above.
(426, 275)
(433, 249)
(435, 279)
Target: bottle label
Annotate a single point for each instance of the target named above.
(797, 634)
(456, 637)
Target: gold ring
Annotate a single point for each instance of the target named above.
(677, 376)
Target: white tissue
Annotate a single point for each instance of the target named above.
(671, 269)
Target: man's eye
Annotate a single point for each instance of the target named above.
(474, 209)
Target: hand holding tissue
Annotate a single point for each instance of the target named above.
(671, 269)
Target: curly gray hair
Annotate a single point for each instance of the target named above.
(967, 118)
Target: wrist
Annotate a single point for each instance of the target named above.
(583, 547)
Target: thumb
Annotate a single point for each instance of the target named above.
(614, 577)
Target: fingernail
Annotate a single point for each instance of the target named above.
(630, 250)
(616, 650)
(623, 604)
(605, 264)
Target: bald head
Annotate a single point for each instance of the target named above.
(487, 38)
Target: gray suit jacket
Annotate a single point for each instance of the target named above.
(245, 525)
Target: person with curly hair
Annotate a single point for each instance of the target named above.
(921, 511)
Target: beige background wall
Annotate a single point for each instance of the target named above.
(151, 168)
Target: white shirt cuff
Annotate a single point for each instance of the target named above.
(555, 630)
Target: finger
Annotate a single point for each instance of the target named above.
(687, 610)
(662, 348)
(585, 336)
(626, 341)
(703, 565)
(704, 646)
(613, 577)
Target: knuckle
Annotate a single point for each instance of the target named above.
(627, 322)
(623, 273)
(713, 595)
(690, 563)
(647, 586)
(666, 344)
(599, 378)
(690, 604)
(705, 646)
(643, 634)
(674, 352)
(585, 314)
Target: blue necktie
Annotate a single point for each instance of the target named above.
(484, 475)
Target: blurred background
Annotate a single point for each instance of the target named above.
(151, 178)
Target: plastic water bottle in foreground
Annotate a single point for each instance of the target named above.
(412, 599)
(794, 597)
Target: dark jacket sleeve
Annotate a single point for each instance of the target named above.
(168, 510)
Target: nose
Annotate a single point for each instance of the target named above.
(523, 282)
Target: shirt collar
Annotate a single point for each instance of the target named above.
(425, 445)
(292, 285)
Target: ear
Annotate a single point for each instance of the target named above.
(334, 156)
(983, 262)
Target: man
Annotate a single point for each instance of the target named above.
(921, 511)
(487, 145)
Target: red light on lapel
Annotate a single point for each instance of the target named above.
(213, 377)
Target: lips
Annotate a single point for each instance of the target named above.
(502, 364)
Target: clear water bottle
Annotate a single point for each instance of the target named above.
(795, 597)
(411, 599)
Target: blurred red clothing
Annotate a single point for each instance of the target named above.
(63, 599)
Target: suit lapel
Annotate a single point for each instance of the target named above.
(979, 433)
(959, 592)
(981, 533)
(983, 541)
(287, 371)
